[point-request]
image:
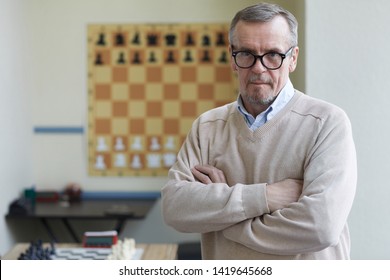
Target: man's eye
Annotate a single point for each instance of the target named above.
(245, 54)
(272, 55)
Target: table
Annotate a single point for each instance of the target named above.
(152, 251)
(101, 209)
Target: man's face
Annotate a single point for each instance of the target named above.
(259, 86)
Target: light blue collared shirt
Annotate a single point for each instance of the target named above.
(281, 100)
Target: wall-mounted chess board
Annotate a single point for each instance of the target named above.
(146, 85)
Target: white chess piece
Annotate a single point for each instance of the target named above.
(154, 146)
(119, 146)
(170, 144)
(120, 160)
(169, 159)
(137, 145)
(154, 161)
(101, 144)
(99, 164)
(136, 162)
(123, 250)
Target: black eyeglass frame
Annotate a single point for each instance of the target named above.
(256, 57)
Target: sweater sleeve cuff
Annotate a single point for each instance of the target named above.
(254, 200)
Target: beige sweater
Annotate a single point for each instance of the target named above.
(309, 140)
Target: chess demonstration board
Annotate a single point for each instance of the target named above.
(147, 83)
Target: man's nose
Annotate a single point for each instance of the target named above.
(258, 67)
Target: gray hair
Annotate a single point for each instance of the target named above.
(264, 12)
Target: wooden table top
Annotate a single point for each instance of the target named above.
(153, 251)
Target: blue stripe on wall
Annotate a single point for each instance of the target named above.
(88, 195)
(59, 130)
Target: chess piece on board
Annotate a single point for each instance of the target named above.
(221, 39)
(205, 41)
(136, 58)
(120, 160)
(123, 250)
(119, 40)
(152, 57)
(188, 57)
(121, 58)
(152, 40)
(101, 145)
(136, 162)
(102, 40)
(100, 164)
(170, 143)
(170, 39)
(98, 59)
(119, 146)
(223, 58)
(37, 251)
(136, 39)
(169, 159)
(206, 56)
(155, 145)
(154, 161)
(190, 40)
(136, 145)
(171, 57)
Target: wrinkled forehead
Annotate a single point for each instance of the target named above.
(261, 35)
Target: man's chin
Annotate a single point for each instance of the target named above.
(261, 97)
(260, 100)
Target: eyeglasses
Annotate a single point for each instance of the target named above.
(270, 60)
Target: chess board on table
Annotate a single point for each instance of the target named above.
(147, 83)
(89, 254)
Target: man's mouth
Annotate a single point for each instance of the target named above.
(257, 81)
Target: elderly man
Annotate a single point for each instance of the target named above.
(272, 175)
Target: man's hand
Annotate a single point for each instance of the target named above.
(281, 194)
(208, 174)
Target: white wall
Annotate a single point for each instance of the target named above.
(347, 63)
(15, 128)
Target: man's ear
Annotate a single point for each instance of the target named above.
(232, 63)
(294, 59)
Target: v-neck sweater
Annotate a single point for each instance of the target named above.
(308, 139)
